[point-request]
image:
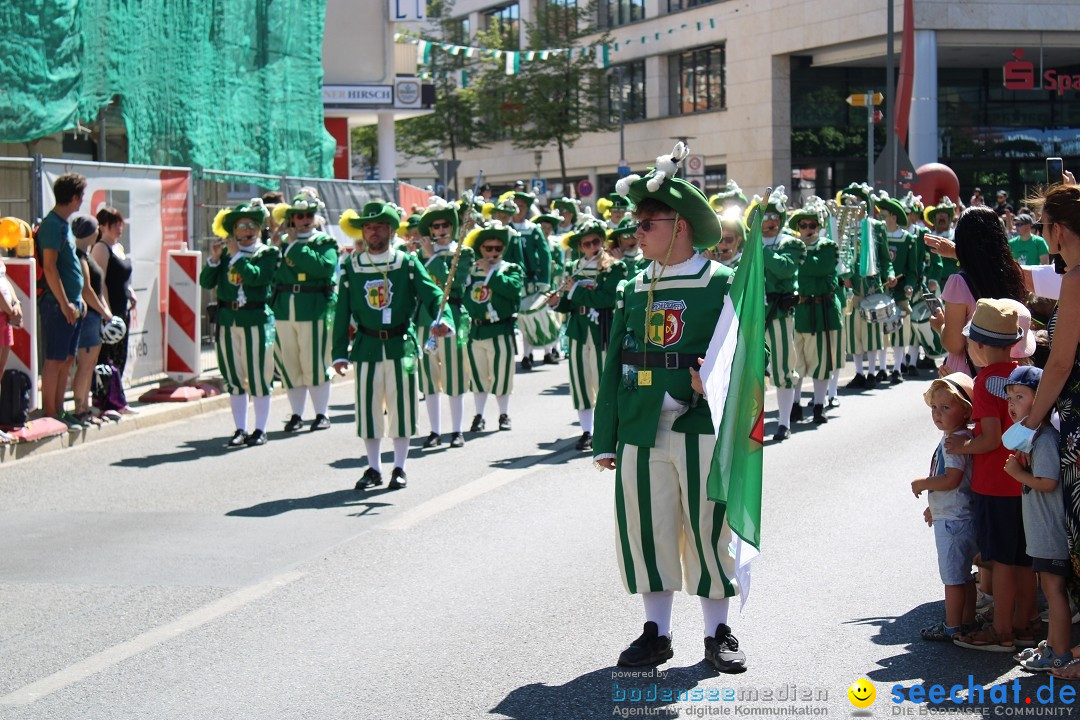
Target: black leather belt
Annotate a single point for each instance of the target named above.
(245, 306)
(301, 288)
(666, 360)
(392, 332)
(504, 321)
(815, 299)
(581, 310)
(456, 302)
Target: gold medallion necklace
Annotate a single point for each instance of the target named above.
(644, 377)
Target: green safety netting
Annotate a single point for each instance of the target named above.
(231, 84)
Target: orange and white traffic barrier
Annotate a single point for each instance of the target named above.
(24, 354)
(183, 321)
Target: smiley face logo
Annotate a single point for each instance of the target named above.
(862, 693)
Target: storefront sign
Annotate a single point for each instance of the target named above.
(1020, 75)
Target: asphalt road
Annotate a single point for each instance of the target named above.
(158, 575)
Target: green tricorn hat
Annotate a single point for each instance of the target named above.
(506, 205)
(802, 214)
(226, 219)
(731, 193)
(777, 203)
(305, 203)
(944, 205)
(626, 226)
(375, 211)
(589, 226)
(912, 202)
(568, 204)
(439, 209)
(413, 221)
(529, 198)
(682, 197)
(550, 218)
(884, 203)
(860, 191)
(493, 230)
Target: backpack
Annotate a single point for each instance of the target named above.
(14, 398)
(108, 388)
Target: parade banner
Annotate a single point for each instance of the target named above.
(156, 203)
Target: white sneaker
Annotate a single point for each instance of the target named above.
(128, 410)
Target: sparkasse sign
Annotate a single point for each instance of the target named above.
(1019, 74)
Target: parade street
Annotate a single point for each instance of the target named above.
(159, 575)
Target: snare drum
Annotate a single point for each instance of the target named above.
(878, 308)
(893, 323)
(538, 321)
(920, 313)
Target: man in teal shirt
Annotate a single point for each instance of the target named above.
(1028, 248)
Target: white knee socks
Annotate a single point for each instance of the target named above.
(714, 611)
(881, 359)
(401, 451)
(798, 391)
(658, 610)
(585, 418)
(457, 410)
(527, 347)
(898, 357)
(821, 389)
(504, 404)
(785, 398)
(320, 398)
(239, 404)
(371, 445)
(834, 382)
(434, 412)
(297, 396)
(859, 365)
(481, 400)
(262, 412)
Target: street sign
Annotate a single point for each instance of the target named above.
(878, 115)
(695, 165)
(860, 99)
(584, 188)
(624, 168)
(538, 186)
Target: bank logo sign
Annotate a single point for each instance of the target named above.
(1019, 74)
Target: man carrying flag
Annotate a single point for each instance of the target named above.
(655, 431)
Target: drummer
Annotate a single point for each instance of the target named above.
(529, 250)
(588, 295)
(929, 268)
(622, 244)
(549, 224)
(905, 257)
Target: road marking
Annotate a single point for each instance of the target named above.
(484, 484)
(118, 653)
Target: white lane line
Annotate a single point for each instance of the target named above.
(484, 484)
(118, 653)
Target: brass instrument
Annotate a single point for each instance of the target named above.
(846, 227)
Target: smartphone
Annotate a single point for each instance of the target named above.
(1055, 169)
(933, 303)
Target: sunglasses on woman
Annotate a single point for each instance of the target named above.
(491, 248)
(590, 243)
(303, 216)
(647, 225)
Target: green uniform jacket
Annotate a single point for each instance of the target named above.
(492, 300)
(557, 262)
(929, 261)
(635, 265)
(311, 263)
(819, 289)
(690, 306)
(872, 284)
(589, 292)
(438, 267)
(904, 254)
(782, 261)
(363, 298)
(252, 274)
(536, 256)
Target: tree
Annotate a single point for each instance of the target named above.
(365, 150)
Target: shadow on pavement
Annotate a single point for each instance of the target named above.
(563, 389)
(339, 498)
(603, 693)
(189, 450)
(557, 453)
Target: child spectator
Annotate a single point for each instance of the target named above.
(1044, 522)
(949, 487)
(999, 527)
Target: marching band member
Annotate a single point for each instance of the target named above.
(929, 264)
(549, 224)
(240, 270)
(588, 296)
(613, 209)
(446, 370)
(622, 244)
(492, 299)
(303, 304)
(381, 290)
(531, 251)
(905, 261)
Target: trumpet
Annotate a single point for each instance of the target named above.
(845, 221)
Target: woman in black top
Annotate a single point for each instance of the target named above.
(85, 229)
(110, 255)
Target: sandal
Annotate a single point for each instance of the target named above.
(987, 640)
(1026, 637)
(938, 633)
(1068, 671)
(1031, 652)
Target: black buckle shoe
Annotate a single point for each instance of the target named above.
(504, 422)
(239, 439)
(457, 440)
(550, 359)
(584, 442)
(371, 478)
(834, 402)
(911, 371)
(881, 375)
(256, 438)
(527, 362)
(321, 422)
(859, 381)
(782, 433)
(398, 480)
(294, 424)
(926, 363)
(433, 440)
(650, 648)
(796, 412)
(478, 424)
(819, 415)
(723, 653)
(895, 378)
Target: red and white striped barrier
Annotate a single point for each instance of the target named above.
(183, 331)
(24, 354)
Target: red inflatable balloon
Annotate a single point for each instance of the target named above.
(934, 182)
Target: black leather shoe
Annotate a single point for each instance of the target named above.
(294, 424)
(723, 653)
(584, 442)
(478, 424)
(926, 363)
(650, 648)
(859, 381)
(556, 354)
(527, 362)
(239, 439)
(834, 402)
(398, 480)
(911, 371)
(457, 440)
(433, 440)
(796, 413)
(871, 380)
(321, 422)
(819, 415)
(782, 433)
(371, 478)
(256, 438)
(504, 422)
(550, 359)
(895, 378)
(882, 375)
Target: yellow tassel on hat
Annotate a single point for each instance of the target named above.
(470, 239)
(603, 205)
(279, 212)
(506, 195)
(355, 233)
(486, 210)
(218, 225)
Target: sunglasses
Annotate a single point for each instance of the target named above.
(770, 216)
(440, 225)
(1037, 228)
(727, 239)
(595, 242)
(647, 225)
(302, 216)
(491, 248)
(245, 224)
(808, 226)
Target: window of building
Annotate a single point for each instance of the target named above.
(626, 85)
(613, 13)
(557, 19)
(677, 5)
(506, 21)
(697, 80)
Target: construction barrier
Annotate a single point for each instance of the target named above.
(183, 350)
(24, 354)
